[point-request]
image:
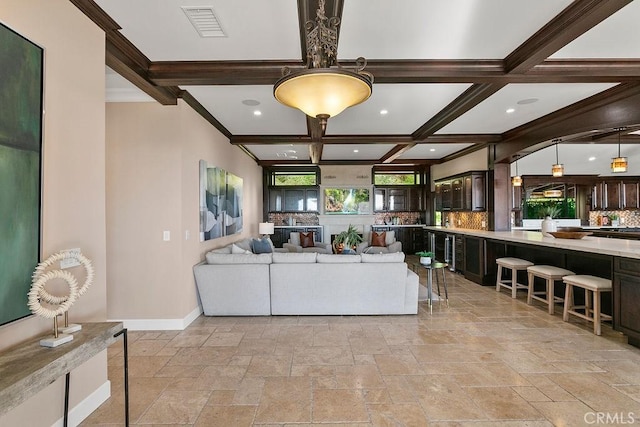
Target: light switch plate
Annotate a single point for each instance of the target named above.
(166, 236)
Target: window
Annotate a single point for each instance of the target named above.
(346, 200)
(396, 178)
(282, 178)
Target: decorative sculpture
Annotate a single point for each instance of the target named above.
(39, 295)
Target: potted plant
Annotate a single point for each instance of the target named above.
(425, 257)
(347, 240)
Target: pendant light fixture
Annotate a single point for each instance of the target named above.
(516, 181)
(324, 89)
(557, 170)
(619, 164)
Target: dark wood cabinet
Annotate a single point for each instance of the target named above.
(398, 199)
(630, 195)
(612, 195)
(459, 251)
(474, 259)
(457, 194)
(447, 196)
(626, 294)
(293, 199)
(462, 193)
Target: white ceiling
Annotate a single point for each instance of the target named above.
(375, 29)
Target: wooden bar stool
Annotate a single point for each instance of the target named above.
(551, 274)
(593, 287)
(515, 265)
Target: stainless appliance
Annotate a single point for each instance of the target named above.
(450, 251)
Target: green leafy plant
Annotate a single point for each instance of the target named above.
(349, 238)
(551, 210)
(425, 254)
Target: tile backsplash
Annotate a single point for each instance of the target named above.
(626, 218)
(470, 220)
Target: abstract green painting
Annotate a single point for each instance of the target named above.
(20, 166)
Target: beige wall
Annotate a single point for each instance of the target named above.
(73, 200)
(153, 153)
(478, 160)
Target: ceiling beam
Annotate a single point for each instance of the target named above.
(606, 110)
(366, 139)
(576, 19)
(180, 73)
(463, 103)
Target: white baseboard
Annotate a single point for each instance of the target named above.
(160, 324)
(83, 409)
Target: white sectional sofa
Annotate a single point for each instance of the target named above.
(306, 284)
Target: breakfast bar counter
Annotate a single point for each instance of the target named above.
(615, 259)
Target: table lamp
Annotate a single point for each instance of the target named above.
(265, 228)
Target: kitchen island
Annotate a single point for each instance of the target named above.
(615, 259)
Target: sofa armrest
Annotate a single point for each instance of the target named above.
(361, 247)
(291, 247)
(395, 247)
(326, 246)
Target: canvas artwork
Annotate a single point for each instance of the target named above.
(220, 202)
(20, 160)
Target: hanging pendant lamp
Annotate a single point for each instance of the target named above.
(516, 181)
(557, 170)
(619, 164)
(324, 89)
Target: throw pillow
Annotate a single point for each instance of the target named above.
(391, 237)
(294, 238)
(235, 249)
(306, 240)
(379, 239)
(261, 246)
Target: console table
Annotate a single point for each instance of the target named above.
(28, 367)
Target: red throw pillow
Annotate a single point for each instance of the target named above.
(379, 239)
(306, 240)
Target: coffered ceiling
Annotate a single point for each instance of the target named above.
(452, 75)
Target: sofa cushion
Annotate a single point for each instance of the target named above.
(235, 249)
(378, 239)
(213, 258)
(261, 246)
(306, 239)
(223, 250)
(244, 244)
(294, 258)
(390, 237)
(294, 238)
(338, 259)
(392, 257)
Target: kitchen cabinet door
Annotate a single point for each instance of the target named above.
(597, 197)
(478, 192)
(457, 194)
(630, 195)
(438, 197)
(447, 196)
(474, 259)
(613, 195)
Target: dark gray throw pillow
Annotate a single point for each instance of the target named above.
(261, 246)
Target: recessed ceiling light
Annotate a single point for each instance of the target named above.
(383, 112)
(592, 158)
(510, 110)
(432, 149)
(356, 151)
(251, 102)
(257, 113)
(527, 101)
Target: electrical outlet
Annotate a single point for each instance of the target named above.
(70, 262)
(484, 224)
(186, 235)
(166, 236)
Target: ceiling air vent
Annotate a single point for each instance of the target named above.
(204, 20)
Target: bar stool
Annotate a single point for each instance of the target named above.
(515, 265)
(593, 287)
(551, 274)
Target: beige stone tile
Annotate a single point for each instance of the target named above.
(358, 376)
(146, 366)
(399, 389)
(180, 371)
(226, 416)
(489, 374)
(177, 407)
(249, 391)
(398, 365)
(377, 395)
(188, 340)
(369, 345)
(323, 356)
(339, 406)
(502, 403)
(442, 398)
(390, 415)
(221, 397)
(567, 414)
(203, 356)
(531, 394)
(285, 400)
(269, 366)
(146, 347)
(222, 339)
(596, 394)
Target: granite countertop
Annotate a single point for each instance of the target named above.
(600, 245)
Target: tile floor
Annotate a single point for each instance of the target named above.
(486, 361)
